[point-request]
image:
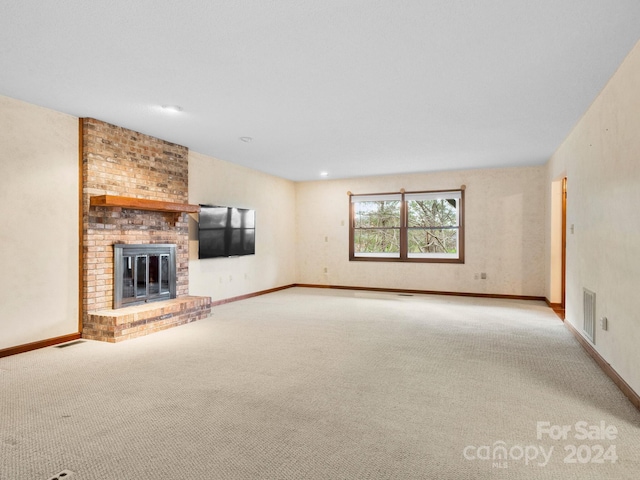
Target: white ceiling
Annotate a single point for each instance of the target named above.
(352, 87)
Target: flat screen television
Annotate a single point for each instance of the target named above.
(226, 231)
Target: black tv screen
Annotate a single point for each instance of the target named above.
(226, 231)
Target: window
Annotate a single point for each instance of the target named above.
(408, 227)
(376, 225)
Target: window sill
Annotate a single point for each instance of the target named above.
(406, 260)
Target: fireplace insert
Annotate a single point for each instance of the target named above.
(143, 273)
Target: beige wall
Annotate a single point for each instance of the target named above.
(39, 236)
(601, 158)
(504, 233)
(215, 182)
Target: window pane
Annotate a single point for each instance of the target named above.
(433, 213)
(377, 214)
(141, 276)
(382, 241)
(424, 242)
(164, 274)
(127, 278)
(154, 274)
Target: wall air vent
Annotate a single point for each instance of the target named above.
(589, 312)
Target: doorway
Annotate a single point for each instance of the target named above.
(564, 245)
(558, 245)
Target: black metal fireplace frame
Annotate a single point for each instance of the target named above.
(122, 255)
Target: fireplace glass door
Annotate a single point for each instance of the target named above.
(143, 273)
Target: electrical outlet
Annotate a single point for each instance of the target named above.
(326, 270)
(483, 275)
(604, 323)
(476, 276)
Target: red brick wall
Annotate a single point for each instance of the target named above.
(117, 161)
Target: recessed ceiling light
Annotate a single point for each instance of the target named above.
(246, 139)
(324, 174)
(172, 108)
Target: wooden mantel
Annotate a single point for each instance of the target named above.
(142, 204)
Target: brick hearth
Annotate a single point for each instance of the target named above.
(130, 322)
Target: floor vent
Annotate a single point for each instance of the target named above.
(63, 475)
(589, 309)
(65, 345)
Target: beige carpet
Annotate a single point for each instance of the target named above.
(321, 384)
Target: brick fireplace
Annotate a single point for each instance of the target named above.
(135, 191)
